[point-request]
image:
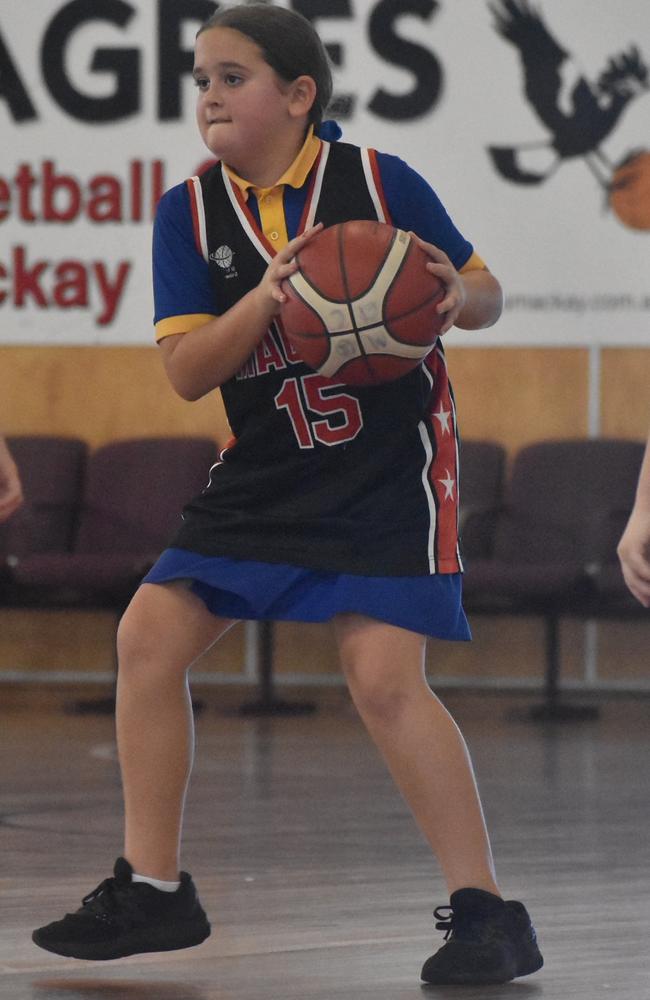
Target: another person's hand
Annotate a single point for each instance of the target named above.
(11, 491)
(634, 554)
(634, 546)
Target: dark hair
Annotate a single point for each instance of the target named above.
(288, 41)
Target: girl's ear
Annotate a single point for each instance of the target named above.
(303, 95)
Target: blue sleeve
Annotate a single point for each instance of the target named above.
(181, 277)
(414, 205)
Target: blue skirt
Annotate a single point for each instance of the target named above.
(245, 589)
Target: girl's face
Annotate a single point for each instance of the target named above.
(244, 109)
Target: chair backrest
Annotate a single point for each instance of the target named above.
(561, 495)
(482, 476)
(135, 491)
(52, 472)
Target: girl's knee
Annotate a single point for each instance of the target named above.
(379, 691)
(383, 665)
(165, 629)
(135, 641)
(141, 637)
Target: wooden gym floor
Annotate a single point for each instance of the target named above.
(318, 884)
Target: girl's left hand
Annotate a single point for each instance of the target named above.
(456, 296)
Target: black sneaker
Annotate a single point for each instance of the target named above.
(489, 940)
(122, 917)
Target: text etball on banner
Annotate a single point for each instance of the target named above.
(362, 307)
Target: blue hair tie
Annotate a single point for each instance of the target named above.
(329, 130)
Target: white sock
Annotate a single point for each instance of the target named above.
(156, 883)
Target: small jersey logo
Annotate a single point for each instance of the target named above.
(223, 257)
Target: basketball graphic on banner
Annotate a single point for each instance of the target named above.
(629, 191)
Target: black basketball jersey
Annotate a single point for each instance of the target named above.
(322, 475)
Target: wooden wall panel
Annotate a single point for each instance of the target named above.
(512, 395)
(305, 648)
(504, 647)
(623, 650)
(99, 393)
(625, 392)
(520, 395)
(42, 639)
(62, 639)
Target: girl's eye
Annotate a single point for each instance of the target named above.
(232, 80)
(201, 82)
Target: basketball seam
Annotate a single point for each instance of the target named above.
(437, 295)
(308, 335)
(348, 302)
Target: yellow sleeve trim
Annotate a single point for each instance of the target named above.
(181, 324)
(475, 263)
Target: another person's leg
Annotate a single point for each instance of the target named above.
(491, 941)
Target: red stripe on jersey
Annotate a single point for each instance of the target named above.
(376, 175)
(196, 226)
(230, 443)
(443, 474)
(310, 192)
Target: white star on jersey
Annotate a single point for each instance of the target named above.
(443, 417)
(448, 484)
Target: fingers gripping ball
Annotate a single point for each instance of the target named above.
(361, 308)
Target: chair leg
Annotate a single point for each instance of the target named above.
(97, 706)
(267, 703)
(552, 708)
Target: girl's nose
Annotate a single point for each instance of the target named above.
(213, 94)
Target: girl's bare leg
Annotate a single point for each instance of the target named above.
(165, 628)
(421, 744)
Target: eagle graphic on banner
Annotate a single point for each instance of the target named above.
(579, 118)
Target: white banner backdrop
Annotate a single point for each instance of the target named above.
(97, 119)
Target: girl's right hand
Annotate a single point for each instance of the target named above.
(282, 266)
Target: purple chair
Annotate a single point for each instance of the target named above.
(553, 540)
(482, 481)
(52, 472)
(131, 502)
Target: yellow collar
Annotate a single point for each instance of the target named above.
(295, 175)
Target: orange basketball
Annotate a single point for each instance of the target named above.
(361, 309)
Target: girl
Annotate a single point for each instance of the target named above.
(329, 503)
